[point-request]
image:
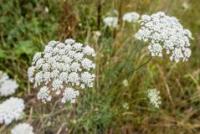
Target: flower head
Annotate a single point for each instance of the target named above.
(163, 32)
(44, 94)
(111, 21)
(7, 85)
(22, 128)
(131, 17)
(61, 66)
(11, 109)
(154, 97)
(69, 94)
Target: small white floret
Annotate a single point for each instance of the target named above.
(69, 94)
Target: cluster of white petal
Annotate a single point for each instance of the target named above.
(111, 21)
(11, 109)
(69, 94)
(154, 97)
(131, 17)
(62, 66)
(163, 32)
(22, 128)
(7, 85)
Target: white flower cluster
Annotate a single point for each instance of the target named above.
(131, 17)
(7, 86)
(69, 95)
(22, 128)
(11, 109)
(165, 33)
(154, 97)
(62, 66)
(111, 21)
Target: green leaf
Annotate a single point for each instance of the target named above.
(25, 47)
(2, 54)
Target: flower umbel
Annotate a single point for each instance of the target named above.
(11, 109)
(69, 94)
(62, 66)
(7, 86)
(154, 97)
(163, 32)
(131, 17)
(22, 128)
(111, 21)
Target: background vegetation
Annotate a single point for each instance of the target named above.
(117, 104)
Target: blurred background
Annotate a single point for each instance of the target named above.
(117, 104)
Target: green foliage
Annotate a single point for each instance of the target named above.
(25, 47)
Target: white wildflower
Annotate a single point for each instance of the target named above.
(22, 128)
(68, 48)
(39, 63)
(60, 45)
(69, 41)
(71, 53)
(155, 49)
(46, 67)
(125, 83)
(131, 17)
(165, 33)
(57, 84)
(74, 78)
(111, 21)
(69, 94)
(61, 66)
(48, 49)
(154, 97)
(52, 43)
(38, 78)
(66, 59)
(78, 46)
(78, 56)
(55, 73)
(87, 64)
(62, 51)
(89, 51)
(11, 109)
(44, 94)
(64, 77)
(31, 71)
(75, 67)
(7, 85)
(87, 79)
(47, 77)
(36, 56)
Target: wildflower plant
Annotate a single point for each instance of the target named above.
(22, 128)
(7, 85)
(165, 33)
(61, 70)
